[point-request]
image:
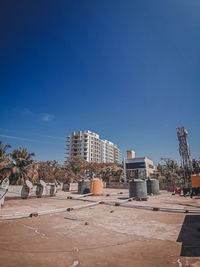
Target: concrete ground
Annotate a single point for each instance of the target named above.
(101, 235)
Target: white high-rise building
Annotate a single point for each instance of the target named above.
(88, 145)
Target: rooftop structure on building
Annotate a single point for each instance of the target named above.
(88, 145)
(137, 167)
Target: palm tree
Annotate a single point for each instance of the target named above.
(21, 161)
(5, 163)
(3, 149)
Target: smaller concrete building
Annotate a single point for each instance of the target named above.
(137, 167)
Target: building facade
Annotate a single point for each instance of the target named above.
(89, 146)
(137, 167)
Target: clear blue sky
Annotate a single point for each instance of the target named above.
(128, 70)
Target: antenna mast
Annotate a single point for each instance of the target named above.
(184, 149)
(184, 152)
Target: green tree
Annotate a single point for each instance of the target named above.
(76, 165)
(106, 173)
(117, 173)
(112, 173)
(94, 168)
(22, 159)
(195, 166)
(169, 173)
(3, 149)
(5, 163)
(51, 170)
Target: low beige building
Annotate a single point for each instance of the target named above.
(137, 167)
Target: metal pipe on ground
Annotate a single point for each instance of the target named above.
(114, 193)
(93, 203)
(45, 212)
(153, 208)
(113, 203)
(85, 195)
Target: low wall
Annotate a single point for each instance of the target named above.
(70, 187)
(117, 185)
(73, 187)
(59, 186)
(15, 191)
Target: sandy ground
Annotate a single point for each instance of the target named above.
(96, 236)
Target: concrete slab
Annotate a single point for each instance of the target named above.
(96, 236)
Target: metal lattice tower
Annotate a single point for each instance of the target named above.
(184, 149)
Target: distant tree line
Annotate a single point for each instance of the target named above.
(171, 174)
(19, 165)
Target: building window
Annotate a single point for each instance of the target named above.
(135, 165)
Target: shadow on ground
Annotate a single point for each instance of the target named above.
(190, 236)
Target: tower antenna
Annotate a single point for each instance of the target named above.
(184, 150)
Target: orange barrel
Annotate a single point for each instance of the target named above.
(96, 186)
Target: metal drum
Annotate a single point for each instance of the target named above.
(84, 187)
(25, 192)
(3, 190)
(39, 190)
(153, 186)
(138, 189)
(65, 187)
(52, 190)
